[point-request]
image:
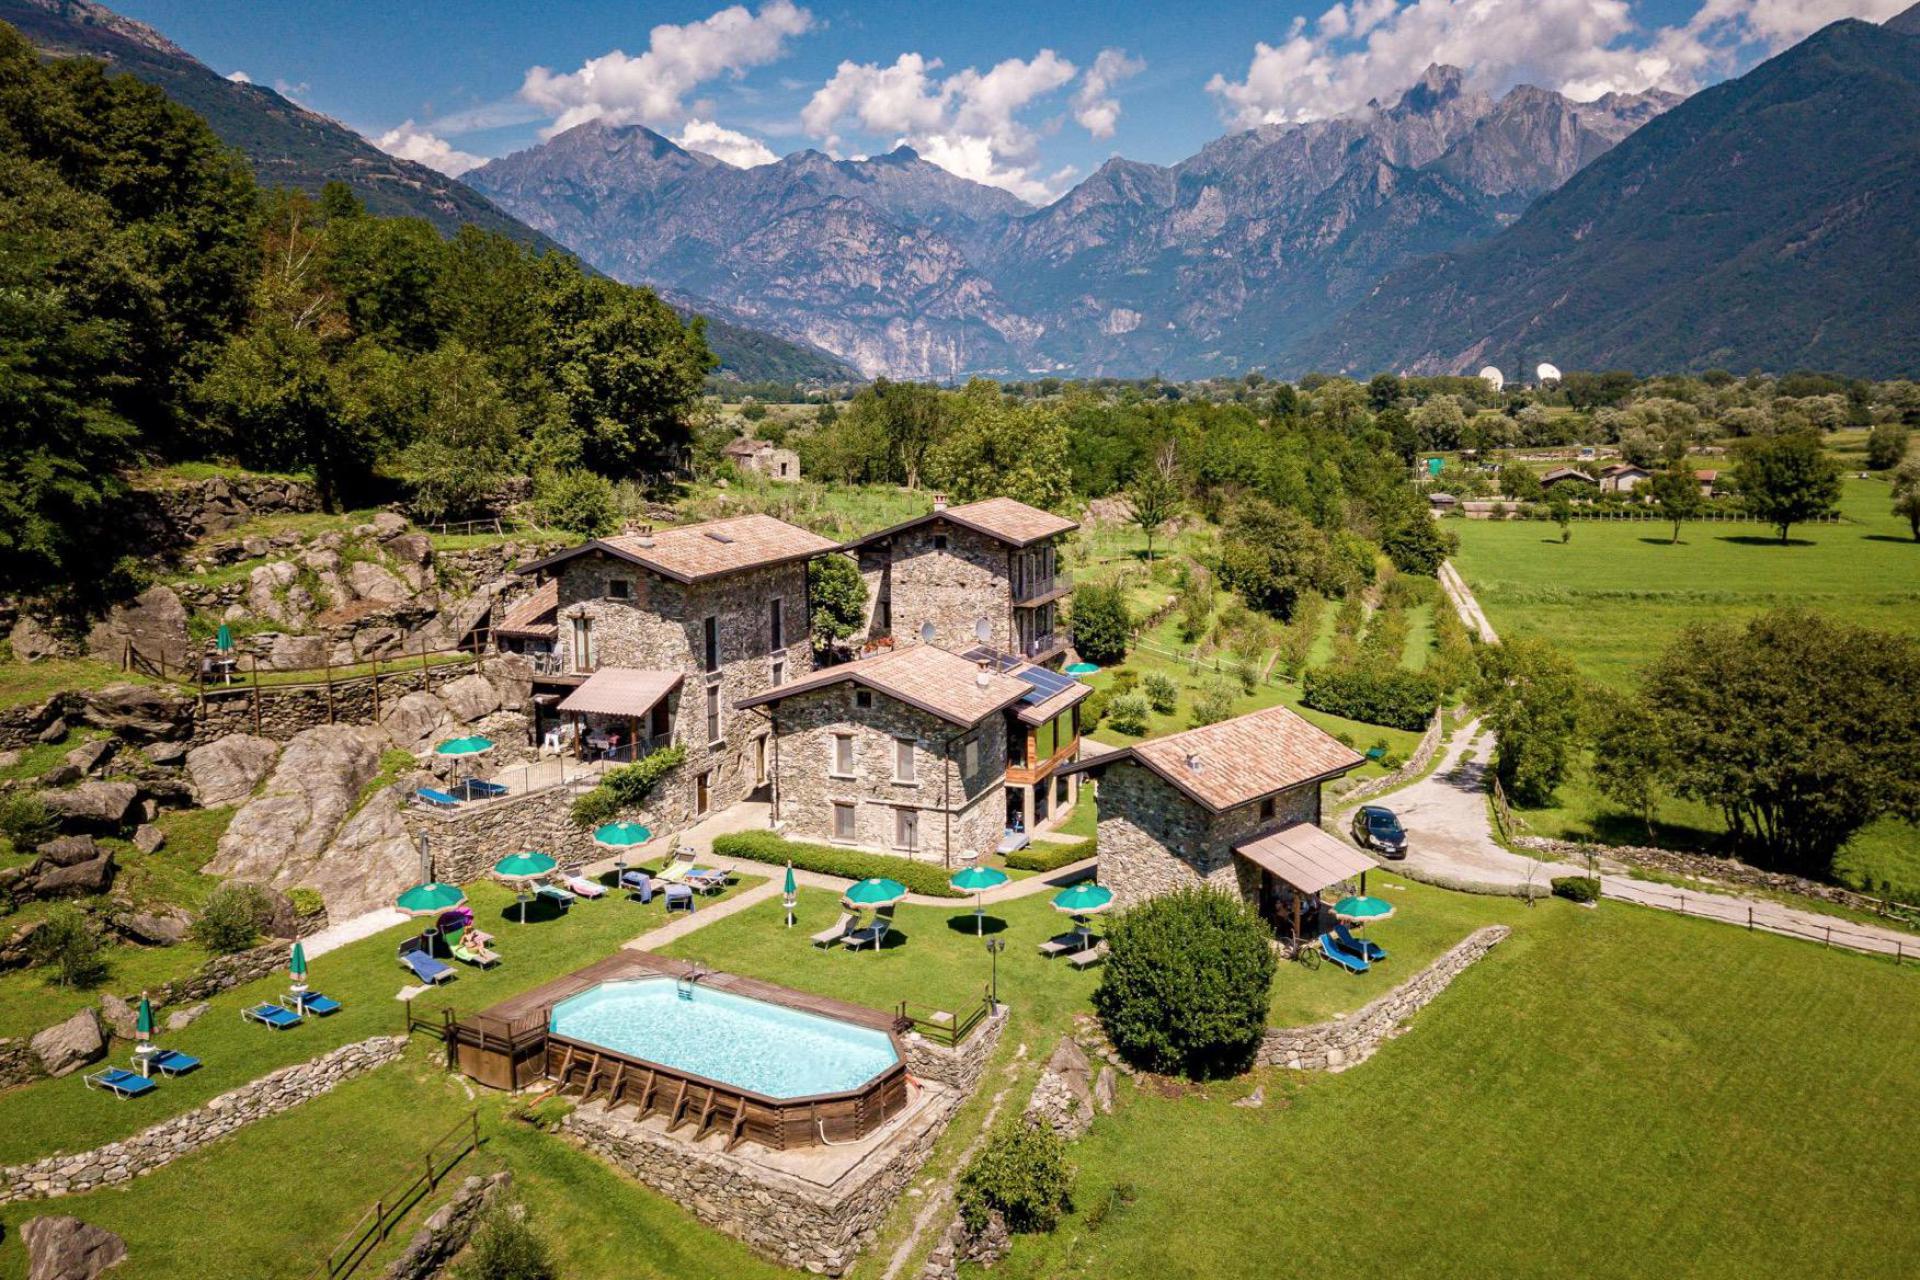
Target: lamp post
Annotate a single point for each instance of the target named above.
(994, 947)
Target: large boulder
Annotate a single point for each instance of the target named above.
(68, 851)
(93, 806)
(159, 927)
(511, 675)
(268, 587)
(372, 582)
(470, 698)
(416, 720)
(226, 770)
(155, 623)
(31, 642)
(120, 1017)
(278, 836)
(139, 712)
(389, 524)
(82, 879)
(297, 653)
(89, 755)
(65, 1047)
(64, 1248)
(372, 859)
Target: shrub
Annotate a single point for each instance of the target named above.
(1023, 1172)
(766, 846)
(233, 917)
(1125, 680)
(1576, 888)
(1214, 704)
(506, 1248)
(1101, 624)
(1398, 699)
(1248, 675)
(1186, 981)
(306, 902)
(1094, 710)
(627, 787)
(1128, 713)
(65, 941)
(1162, 693)
(577, 501)
(25, 821)
(1050, 856)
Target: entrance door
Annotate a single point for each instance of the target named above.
(760, 761)
(703, 792)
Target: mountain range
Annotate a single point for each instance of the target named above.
(291, 146)
(1216, 264)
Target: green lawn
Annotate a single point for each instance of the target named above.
(24, 683)
(1609, 1093)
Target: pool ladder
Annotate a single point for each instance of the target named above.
(684, 984)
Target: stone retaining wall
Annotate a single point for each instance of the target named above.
(1349, 1041)
(222, 973)
(287, 710)
(167, 1141)
(1702, 866)
(961, 1066)
(1416, 764)
(446, 1233)
(17, 1063)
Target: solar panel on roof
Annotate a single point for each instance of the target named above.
(1046, 684)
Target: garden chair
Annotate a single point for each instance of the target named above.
(638, 884)
(554, 893)
(1091, 956)
(413, 955)
(436, 799)
(581, 886)
(173, 1063)
(679, 895)
(1352, 961)
(1062, 944)
(314, 1003)
(834, 933)
(1371, 950)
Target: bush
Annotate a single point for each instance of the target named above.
(1128, 713)
(1125, 680)
(577, 501)
(1162, 693)
(1050, 856)
(627, 787)
(1101, 624)
(26, 822)
(306, 902)
(1185, 985)
(1398, 699)
(65, 941)
(506, 1248)
(1248, 676)
(233, 917)
(1023, 1172)
(766, 846)
(1093, 710)
(1214, 704)
(1577, 888)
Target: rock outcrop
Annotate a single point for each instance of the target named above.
(139, 712)
(156, 625)
(65, 1047)
(369, 862)
(93, 806)
(227, 770)
(64, 1248)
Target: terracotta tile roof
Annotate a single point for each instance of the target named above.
(1005, 519)
(1305, 857)
(921, 675)
(622, 691)
(691, 552)
(534, 615)
(1240, 760)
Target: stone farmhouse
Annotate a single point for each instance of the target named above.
(764, 458)
(986, 573)
(1235, 805)
(1623, 477)
(652, 638)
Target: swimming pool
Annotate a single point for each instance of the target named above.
(752, 1045)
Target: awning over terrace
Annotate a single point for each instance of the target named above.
(621, 691)
(1305, 857)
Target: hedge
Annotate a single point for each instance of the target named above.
(1398, 699)
(766, 846)
(1576, 888)
(1050, 856)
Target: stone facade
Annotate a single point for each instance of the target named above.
(119, 1162)
(1350, 1040)
(762, 458)
(958, 810)
(1154, 839)
(659, 625)
(953, 577)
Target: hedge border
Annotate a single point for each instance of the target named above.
(853, 864)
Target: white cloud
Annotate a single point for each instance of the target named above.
(721, 143)
(1094, 105)
(1364, 49)
(239, 77)
(967, 123)
(410, 142)
(651, 88)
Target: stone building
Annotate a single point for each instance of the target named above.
(656, 637)
(907, 750)
(1235, 805)
(764, 458)
(986, 573)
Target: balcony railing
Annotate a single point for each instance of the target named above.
(547, 664)
(1038, 588)
(1035, 648)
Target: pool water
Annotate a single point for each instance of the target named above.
(751, 1044)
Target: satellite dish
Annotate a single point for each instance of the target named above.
(1547, 373)
(926, 633)
(982, 630)
(1493, 378)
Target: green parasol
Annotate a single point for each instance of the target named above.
(621, 835)
(143, 1021)
(430, 899)
(223, 639)
(788, 890)
(977, 880)
(297, 967)
(876, 891)
(453, 748)
(1362, 910)
(1082, 900)
(524, 866)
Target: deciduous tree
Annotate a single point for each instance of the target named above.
(1788, 479)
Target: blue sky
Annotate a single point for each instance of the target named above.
(1030, 96)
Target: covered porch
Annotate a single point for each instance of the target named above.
(1291, 867)
(617, 713)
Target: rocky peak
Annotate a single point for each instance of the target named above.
(1437, 86)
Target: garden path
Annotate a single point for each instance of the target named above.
(1465, 604)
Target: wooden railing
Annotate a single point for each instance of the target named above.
(949, 1030)
(377, 1222)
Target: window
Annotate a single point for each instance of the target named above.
(970, 757)
(885, 612)
(939, 542)
(713, 713)
(713, 645)
(1266, 809)
(863, 698)
(659, 724)
(776, 625)
(583, 644)
(843, 754)
(903, 762)
(779, 671)
(619, 588)
(842, 820)
(906, 829)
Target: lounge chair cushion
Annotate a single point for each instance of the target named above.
(438, 799)
(840, 928)
(425, 967)
(584, 887)
(315, 1003)
(124, 1083)
(173, 1062)
(279, 1017)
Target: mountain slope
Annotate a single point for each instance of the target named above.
(1771, 221)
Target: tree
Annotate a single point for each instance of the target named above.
(1562, 512)
(1157, 493)
(912, 417)
(997, 447)
(1887, 446)
(463, 450)
(1440, 423)
(1787, 479)
(1520, 483)
(1100, 623)
(1799, 729)
(1677, 494)
(1270, 555)
(1531, 696)
(1630, 758)
(577, 501)
(1418, 544)
(1906, 496)
(839, 597)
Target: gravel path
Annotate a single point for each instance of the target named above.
(1464, 603)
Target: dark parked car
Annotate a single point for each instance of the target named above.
(1375, 827)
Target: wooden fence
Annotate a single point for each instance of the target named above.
(941, 1027)
(377, 1222)
(1836, 933)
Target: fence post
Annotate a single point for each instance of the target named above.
(376, 688)
(254, 666)
(1749, 917)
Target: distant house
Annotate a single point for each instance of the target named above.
(1623, 477)
(1561, 475)
(763, 457)
(1235, 805)
(1707, 480)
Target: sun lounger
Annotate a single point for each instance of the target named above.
(477, 789)
(638, 884)
(473, 952)
(679, 894)
(582, 887)
(1372, 950)
(706, 879)
(1091, 956)
(426, 968)
(1063, 944)
(1012, 842)
(1333, 949)
(678, 868)
(874, 935)
(120, 1082)
(554, 893)
(277, 1016)
(172, 1062)
(839, 929)
(314, 1003)
(436, 799)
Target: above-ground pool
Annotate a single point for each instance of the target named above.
(1082, 669)
(752, 1045)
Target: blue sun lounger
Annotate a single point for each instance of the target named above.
(277, 1016)
(436, 799)
(639, 883)
(1372, 950)
(426, 968)
(477, 789)
(314, 1003)
(120, 1082)
(173, 1063)
(1336, 951)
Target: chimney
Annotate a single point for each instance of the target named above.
(1193, 762)
(981, 677)
(939, 502)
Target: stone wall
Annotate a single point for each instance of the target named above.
(1416, 764)
(168, 516)
(960, 810)
(167, 1141)
(1349, 1041)
(222, 973)
(1717, 871)
(953, 586)
(961, 1066)
(17, 1063)
(286, 710)
(1154, 839)
(447, 1231)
